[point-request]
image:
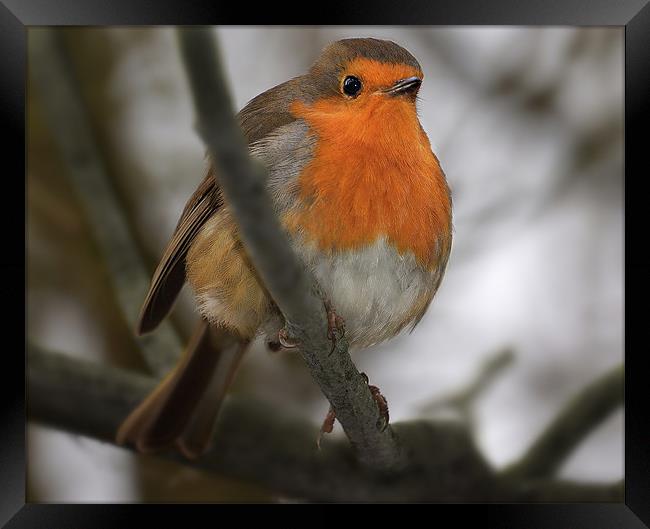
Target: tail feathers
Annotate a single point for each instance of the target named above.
(181, 411)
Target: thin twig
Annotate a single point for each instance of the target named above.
(262, 445)
(293, 288)
(582, 414)
(87, 174)
(463, 399)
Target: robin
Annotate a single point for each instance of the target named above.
(364, 202)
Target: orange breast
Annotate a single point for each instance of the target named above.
(373, 174)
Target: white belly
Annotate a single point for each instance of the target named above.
(375, 290)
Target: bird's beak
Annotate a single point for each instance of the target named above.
(410, 85)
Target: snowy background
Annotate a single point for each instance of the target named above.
(527, 123)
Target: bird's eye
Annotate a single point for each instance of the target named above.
(351, 86)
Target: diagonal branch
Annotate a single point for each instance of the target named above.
(579, 417)
(463, 400)
(293, 288)
(256, 443)
(88, 176)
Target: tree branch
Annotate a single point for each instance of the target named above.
(583, 413)
(293, 288)
(259, 444)
(463, 400)
(88, 176)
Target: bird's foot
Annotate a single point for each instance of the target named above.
(327, 426)
(335, 325)
(382, 404)
(282, 343)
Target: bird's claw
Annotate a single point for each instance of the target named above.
(285, 341)
(335, 326)
(382, 421)
(382, 404)
(327, 426)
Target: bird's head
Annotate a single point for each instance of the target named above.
(355, 71)
(357, 85)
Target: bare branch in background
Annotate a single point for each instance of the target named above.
(463, 400)
(291, 286)
(256, 443)
(88, 176)
(586, 410)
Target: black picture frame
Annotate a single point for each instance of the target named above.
(634, 15)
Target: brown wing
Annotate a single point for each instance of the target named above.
(169, 277)
(258, 118)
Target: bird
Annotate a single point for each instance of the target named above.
(364, 202)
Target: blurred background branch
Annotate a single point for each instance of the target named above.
(87, 173)
(463, 401)
(579, 417)
(256, 442)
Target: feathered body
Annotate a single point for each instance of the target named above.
(357, 188)
(363, 199)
